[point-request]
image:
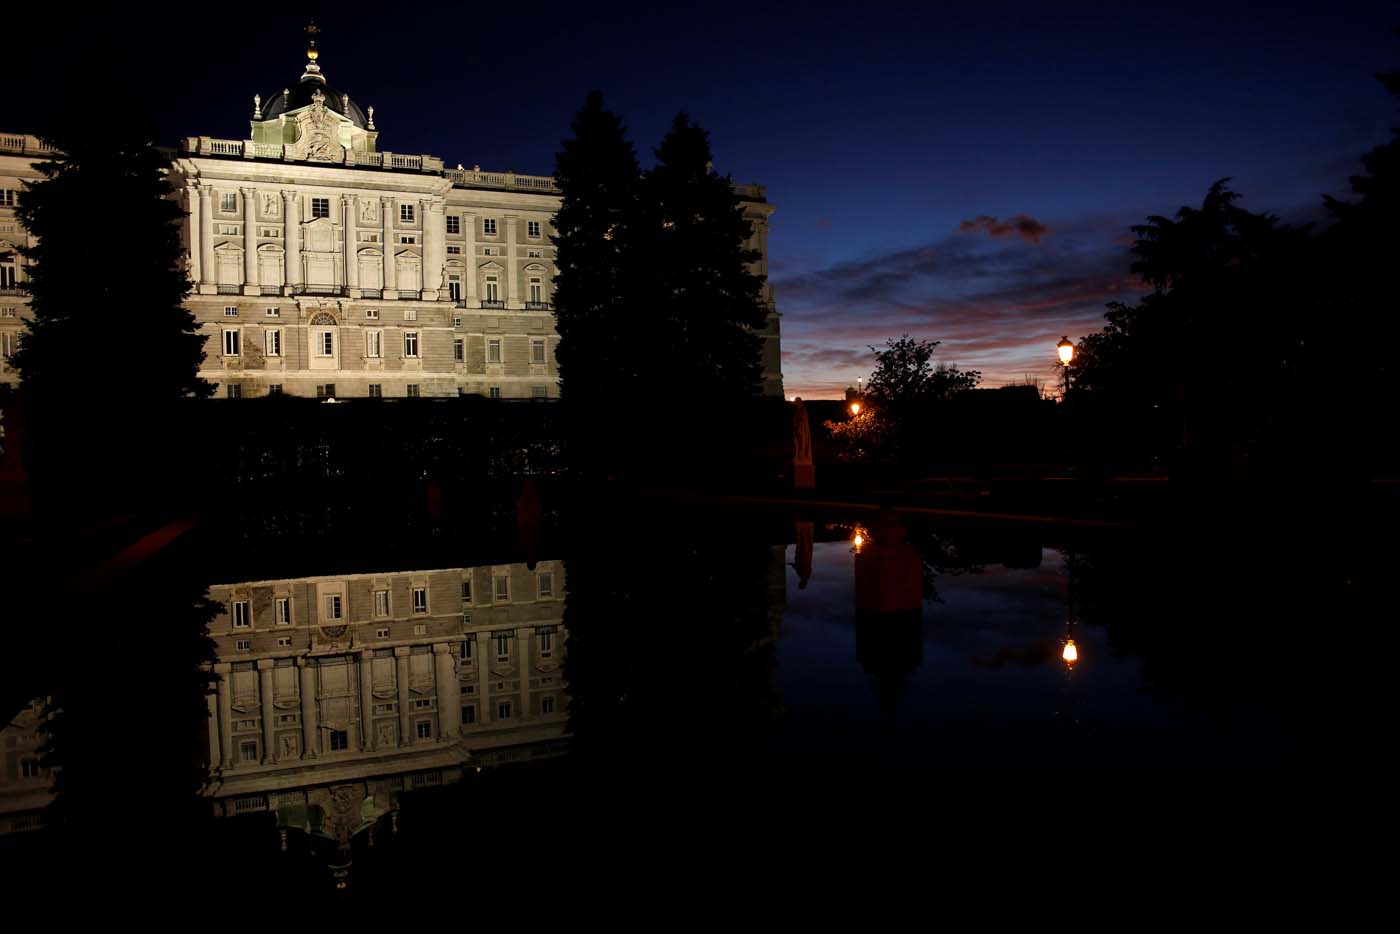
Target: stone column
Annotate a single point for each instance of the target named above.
(250, 241)
(434, 239)
(449, 693)
(222, 670)
(485, 653)
(308, 708)
(206, 241)
(524, 666)
(367, 700)
(470, 259)
(291, 210)
(512, 270)
(391, 275)
(215, 752)
(401, 676)
(265, 699)
(350, 208)
(192, 238)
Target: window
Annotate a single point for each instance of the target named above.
(536, 289)
(390, 707)
(7, 197)
(488, 226)
(231, 345)
(333, 607)
(275, 389)
(374, 343)
(7, 312)
(425, 729)
(502, 647)
(493, 289)
(248, 750)
(489, 251)
(240, 614)
(456, 321)
(230, 311)
(423, 703)
(457, 352)
(381, 603)
(466, 651)
(228, 230)
(546, 583)
(453, 250)
(288, 718)
(320, 207)
(327, 391)
(284, 641)
(546, 705)
(503, 710)
(325, 346)
(420, 599)
(539, 392)
(284, 611)
(493, 350)
(29, 768)
(412, 392)
(534, 254)
(410, 343)
(454, 292)
(410, 314)
(537, 350)
(382, 632)
(7, 275)
(243, 645)
(228, 201)
(468, 715)
(376, 391)
(494, 392)
(274, 312)
(368, 236)
(274, 343)
(406, 213)
(233, 391)
(466, 620)
(340, 740)
(502, 588)
(372, 314)
(467, 590)
(546, 644)
(270, 233)
(532, 228)
(409, 240)
(420, 629)
(454, 224)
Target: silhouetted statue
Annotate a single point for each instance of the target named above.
(889, 610)
(803, 473)
(802, 554)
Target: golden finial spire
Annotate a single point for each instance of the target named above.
(313, 70)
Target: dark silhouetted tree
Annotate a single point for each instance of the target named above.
(110, 350)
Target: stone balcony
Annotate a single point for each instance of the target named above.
(21, 144)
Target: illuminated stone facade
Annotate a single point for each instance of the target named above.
(324, 265)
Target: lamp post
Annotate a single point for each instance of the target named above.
(1066, 351)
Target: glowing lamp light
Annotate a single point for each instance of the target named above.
(855, 408)
(859, 539)
(1070, 653)
(1066, 349)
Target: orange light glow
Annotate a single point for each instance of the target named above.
(858, 541)
(855, 408)
(1066, 350)
(1070, 653)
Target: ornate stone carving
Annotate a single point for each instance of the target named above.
(367, 210)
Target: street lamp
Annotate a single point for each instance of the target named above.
(1066, 349)
(855, 408)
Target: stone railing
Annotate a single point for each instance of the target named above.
(248, 149)
(22, 144)
(474, 177)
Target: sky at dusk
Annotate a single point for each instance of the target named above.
(960, 172)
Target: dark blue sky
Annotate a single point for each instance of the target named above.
(898, 143)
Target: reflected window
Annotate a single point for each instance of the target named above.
(466, 651)
(248, 750)
(503, 710)
(425, 729)
(340, 739)
(420, 599)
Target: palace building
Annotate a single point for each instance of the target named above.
(324, 265)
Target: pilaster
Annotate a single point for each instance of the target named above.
(291, 214)
(268, 715)
(449, 693)
(206, 242)
(401, 677)
(308, 708)
(221, 670)
(366, 700)
(512, 267)
(250, 241)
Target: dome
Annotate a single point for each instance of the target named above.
(300, 96)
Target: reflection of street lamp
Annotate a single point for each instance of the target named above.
(1069, 653)
(1066, 349)
(855, 408)
(859, 539)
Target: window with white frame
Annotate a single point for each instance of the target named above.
(494, 392)
(232, 340)
(374, 343)
(376, 390)
(546, 639)
(503, 710)
(456, 321)
(240, 614)
(274, 342)
(502, 587)
(532, 228)
(368, 236)
(465, 652)
(275, 389)
(7, 197)
(243, 645)
(371, 314)
(382, 632)
(454, 291)
(493, 289)
(454, 250)
(488, 226)
(7, 343)
(234, 391)
(406, 213)
(284, 641)
(537, 350)
(420, 629)
(422, 703)
(334, 609)
(410, 314)
(489, 251)
(325, 344)
(381, 603)
(502, 647)
(412, 390)
(407, 239)
(320, 207)
(230, 311)
(420, 599)
(7, 273)
(536, 289)
(454, 224)
(425, 729)
(274, 312)
(546, 588)
(410, 343)
(228, 202)
(284, 611)
(248, 750)
(7, 312)
(458, 352)
(534, 254)
(493, 350)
